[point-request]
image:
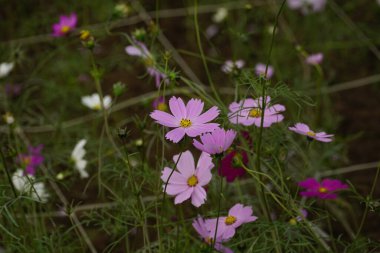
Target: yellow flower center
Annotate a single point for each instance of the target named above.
(85, 35)
(97, 107)
(192, 181)
(292, 221)
(230, 220)
(255, 113)
(185, 123)
(162, 107)
(322, 190)
(65, 29)
(26, 160)
(310, 133)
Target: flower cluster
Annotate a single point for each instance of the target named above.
(215, 231)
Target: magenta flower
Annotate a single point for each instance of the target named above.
(307, 6)
(31, 160)
(65, 25)
(304, 129)
(189, 180)
(248, 112)
(187, 120)
(323, 190)
(231, 167)
(215, 142)
(205, 233)
(314, 59)
(260, 70)
(237, 216)
(160, 104)
(229, 66)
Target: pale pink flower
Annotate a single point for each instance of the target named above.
(314, 59)
(260, 70)
(215, 142)
(229, 66)
(304, 129)
(157, 75)
(237, 216)
(307, 6)
(187, 120)
(188, 181)
(138, 49)
(249, 112)
(65, 25)
(204, 231)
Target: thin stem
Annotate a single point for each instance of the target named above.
(196, 26)
(219, 204)
(368, 199)
(7, 171)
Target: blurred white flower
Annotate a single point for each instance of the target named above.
(8, 118)
(229, 65)
(93, 101)
(77, 156)
(6, 68)
(25, 184)
(220, 15)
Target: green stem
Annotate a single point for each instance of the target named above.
(212, 245)
(8, 174)
(368, 199)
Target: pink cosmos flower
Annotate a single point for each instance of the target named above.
(65, 25)
(215, 142)
(304, 129)
(204, 231)
(323, 190)
(31, 160)
(307, 6)
(237, 216)
(230, 165)
(187, 120)
(139, 49)
(314, 59)
(260, 70)
(189, 180)
(229, 66)
(248, 112)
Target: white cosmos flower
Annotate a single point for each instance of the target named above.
(26, 184)
(6, 68)
(220, 15)
(8, 118)
(93, 101)
(77, 156)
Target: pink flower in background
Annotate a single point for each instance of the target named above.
(248, 112)
(260, 70)
(187, 120)
(314, 59)
(229, 66)
(304, 129)
(204, 231)
(13, 90)
(323, 190)
(237, 216)
(65, 25)
(31, 160)
(160, 104)
(307, 6)
(157, 75)
(299, 218)
(139, 49)
(215, 142)
(230, 165)
(188, 181)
